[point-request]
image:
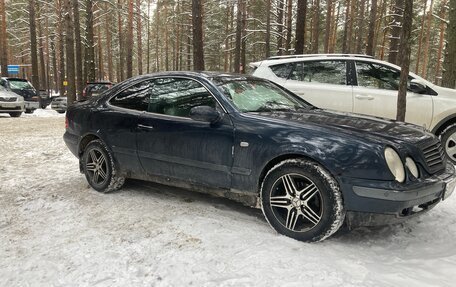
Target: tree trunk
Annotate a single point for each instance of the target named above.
(197, 21)
(329, 13)
(420, 41)
(449, 64)
(33, 45)
(109, 44)
(139, 36)
(42, 67)
(90, 51)
(69, 41)
(237, 51)
(345, 44)
(396, 32)
(300, 26)
(280, 27)
(3, 40)
(316, 27)
(130, 40)
(289, 21)
(405, 59)
(77, 39)
(441, 42)
(61, 48)
(424, 68)
(361, 20)
(370, 49)
(243, 39)
(268, 28)
(121, 59)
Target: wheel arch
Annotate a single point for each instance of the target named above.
(85, 140)
(278, 159)
(443, 124)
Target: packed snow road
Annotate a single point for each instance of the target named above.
(56, 231)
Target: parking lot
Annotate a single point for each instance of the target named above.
(56, 231)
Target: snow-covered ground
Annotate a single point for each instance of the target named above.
(56, 231)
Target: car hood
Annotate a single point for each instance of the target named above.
(8, 95)
(366, 127)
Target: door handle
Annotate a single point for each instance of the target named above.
(145, 127)
(364, 97)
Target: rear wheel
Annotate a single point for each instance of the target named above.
(29, 111)
(99, 168)
(448, 139)
(302, 200)
(15, 114)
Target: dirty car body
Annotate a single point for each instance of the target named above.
(310, 170)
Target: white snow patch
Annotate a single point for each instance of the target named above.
(56, 231)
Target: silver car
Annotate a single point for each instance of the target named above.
(59, 104)
(11, 103)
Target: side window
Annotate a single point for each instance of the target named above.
(377, 76)
(327, 72)
(135, 97)
(282, 70)
(176, 96)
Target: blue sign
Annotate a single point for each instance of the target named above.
(13, 69)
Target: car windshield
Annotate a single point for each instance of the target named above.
(20, 85)
(259, 96)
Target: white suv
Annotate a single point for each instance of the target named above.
(361, 84)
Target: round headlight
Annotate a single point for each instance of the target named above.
(411, 165)
(395, 165)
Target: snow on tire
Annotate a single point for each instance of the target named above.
(99, 168)
(300, 199)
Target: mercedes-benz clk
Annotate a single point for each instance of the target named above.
(309, 170)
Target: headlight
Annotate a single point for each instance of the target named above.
(411, 165)
(395, 165)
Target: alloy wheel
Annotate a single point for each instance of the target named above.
(450, 146)
(296, 202)
(97, 166)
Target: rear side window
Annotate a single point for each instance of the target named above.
(176, 96)
(282, 70)
(377, 76)
(135, 97)
(327, 72)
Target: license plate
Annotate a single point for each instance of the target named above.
(450, 185)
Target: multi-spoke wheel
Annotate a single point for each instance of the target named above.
(448, 138)
(99, 169)
(302, 200)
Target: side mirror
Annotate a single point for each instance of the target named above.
(417, 86)
(205, 114)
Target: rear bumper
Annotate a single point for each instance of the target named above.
(371, 203)
(31, 105)
(72, 142)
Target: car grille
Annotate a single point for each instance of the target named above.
(434, 157)
(12, 99)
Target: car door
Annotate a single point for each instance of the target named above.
(119, 119)
(376, 94)
(323, 83)
(172, 145)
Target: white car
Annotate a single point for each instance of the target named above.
(11, 103)
(364, 85)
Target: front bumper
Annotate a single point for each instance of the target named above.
(6, 107)
(371, 203)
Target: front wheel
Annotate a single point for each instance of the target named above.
(448, 139)
(99, 168)
(300, 199)
(15, 114)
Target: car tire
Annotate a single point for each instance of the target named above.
(61, 112)
(15, 114)
(448, 140)
(99, 168)
(301, 200)
(29, 111)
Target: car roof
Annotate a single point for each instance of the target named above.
(14, 79)
(295, 58)
(101, 82)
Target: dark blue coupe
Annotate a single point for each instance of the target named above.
(310, 170)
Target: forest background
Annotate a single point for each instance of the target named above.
(58, 42)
